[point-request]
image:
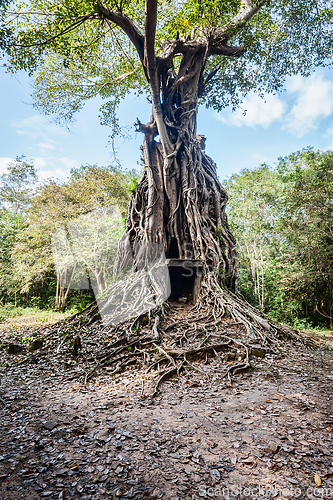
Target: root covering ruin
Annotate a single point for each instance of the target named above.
(220, 338)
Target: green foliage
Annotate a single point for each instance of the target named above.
(5, 31)
(10, 225)
(133, 178)
(89, 188)
(253, 219)
(9, 310)
(16, 185)
(27, 272)
(32, 216)
(306, 224)
(76, 53)
(4, 4)
(282, 220)
(78, 301)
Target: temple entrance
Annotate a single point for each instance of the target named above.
(185, 279)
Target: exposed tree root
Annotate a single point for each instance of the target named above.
(221, 330)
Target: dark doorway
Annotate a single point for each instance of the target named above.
(173, 252)
(182, 282)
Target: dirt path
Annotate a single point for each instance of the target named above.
(266, 436)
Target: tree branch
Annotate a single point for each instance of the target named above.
(149, 41)
(247, 10)
(225, 50)
(68, 29)
(153, 77)
(180, 80)
(127, 26)
(171, 49)
(212, 74)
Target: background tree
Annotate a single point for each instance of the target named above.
(17, 185)
(179, 54)
(89, 188)
(282, 219)
(306, 225)
(254, 196)
(16, 191)
(10, 226)
(5, 32)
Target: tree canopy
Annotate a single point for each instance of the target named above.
(78, 49)
(5, 32)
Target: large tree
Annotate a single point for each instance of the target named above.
(180, 54)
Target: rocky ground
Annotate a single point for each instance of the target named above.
(268, 434)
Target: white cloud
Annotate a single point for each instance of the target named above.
(259, 157)
(314, 101)
(4, 163)
(69, 162)
(47, 166)
(258, 111)
(329, 136)
(46, 146)
(39, 162)
(37, 127)
(52, 166)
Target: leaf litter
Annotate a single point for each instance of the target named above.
(112, 435)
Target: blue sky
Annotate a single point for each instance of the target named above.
(300, 116)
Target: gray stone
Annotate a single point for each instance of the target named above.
(215, 475)
(50, 425)
(60, 434)
(272, 447)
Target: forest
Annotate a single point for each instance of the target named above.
(281, 217)
(179, 57)
(218, 390)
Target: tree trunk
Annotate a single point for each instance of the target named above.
(179, 202)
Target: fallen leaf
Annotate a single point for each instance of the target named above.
(318, 480)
